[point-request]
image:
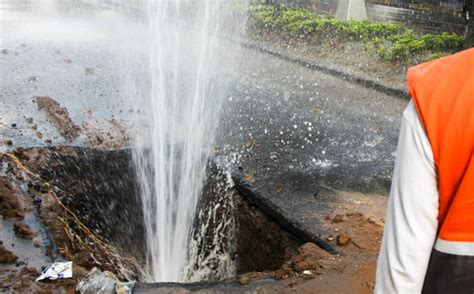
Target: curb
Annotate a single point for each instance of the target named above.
(358, 79)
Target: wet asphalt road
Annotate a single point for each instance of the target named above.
(297, 122)
(280, 117)
(294, 131)
(51, 49)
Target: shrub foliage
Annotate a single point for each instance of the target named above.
(392, 42)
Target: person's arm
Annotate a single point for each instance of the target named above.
(411, 221)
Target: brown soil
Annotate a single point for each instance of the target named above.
(23, 280)
(58, 117)
(6, 256)
(24, 231)
(355, 228)
(357, 225)
(105, 134)
(11, 206)
(261, 243)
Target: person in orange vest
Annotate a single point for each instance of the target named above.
(428, 241)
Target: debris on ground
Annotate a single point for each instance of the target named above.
(6, 256)
(338, 218)
(342, 240)
(58, 116)
(23, 230)
(57, 271)
(103, 282)
(244, 280)
(11, 206)
(32, 208)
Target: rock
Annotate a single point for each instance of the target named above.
(36, 242)
(23, 230)
(287, 267)
(285, 271)
(308, 275)
(29, 120)
(9, 142)
(338, 218)
(244, 280)
(342, 240)
(6, 256)
(312, 250)
(308, 264)
(308, 257)
(280, 275)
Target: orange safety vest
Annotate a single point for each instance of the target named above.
(443, 93)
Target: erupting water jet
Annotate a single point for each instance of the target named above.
(186, 63)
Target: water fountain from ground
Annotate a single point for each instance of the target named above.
(178, 96)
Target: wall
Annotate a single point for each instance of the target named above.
(422, 15)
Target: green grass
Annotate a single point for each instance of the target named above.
(392, 42)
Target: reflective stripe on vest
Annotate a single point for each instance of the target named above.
(443, 92)
(455, 247)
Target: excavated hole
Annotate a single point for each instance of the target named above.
(99, 187)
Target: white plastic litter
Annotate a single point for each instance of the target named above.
(57, 271)
(98, 282)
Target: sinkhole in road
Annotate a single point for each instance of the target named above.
(232, 235)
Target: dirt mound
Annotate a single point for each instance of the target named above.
(11, 206)
(23, 230)
(58, 117)
(6, 256)
(309, 258)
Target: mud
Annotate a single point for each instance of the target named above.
(362, 223)
(23, 281)
(11, 206)
(58, 233)
(359, 218)
(58, 116)
(6, 256)
(24, 231)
